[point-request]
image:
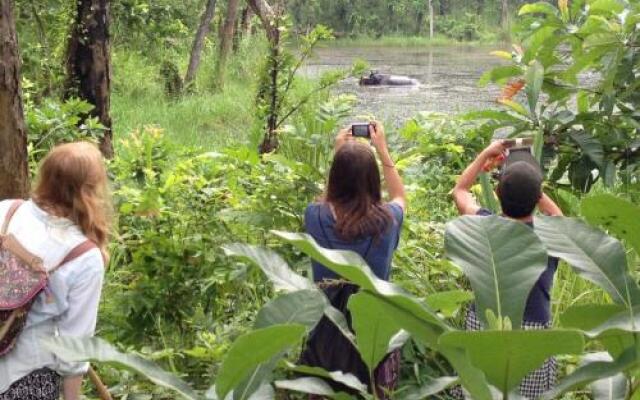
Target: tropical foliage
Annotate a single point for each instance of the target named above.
(178, 308)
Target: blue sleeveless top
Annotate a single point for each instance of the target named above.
(377, 251)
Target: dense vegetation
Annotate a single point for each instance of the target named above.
(198, 205)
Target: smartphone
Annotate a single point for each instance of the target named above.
(361, 130)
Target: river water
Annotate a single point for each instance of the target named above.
(448, 78)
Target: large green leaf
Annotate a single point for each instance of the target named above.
(594, 255)
(256, 380)
(534, 78)
(448, 303)
(413, 318)
(430, 388)
(374, 329)
(488, 197)
(503, 259)
(593, 371)
(590, 146)
(592, 320)
(340, 321)
(611, 388)
(538, 8)
(308, 385)
(500, 74)
(304, 307)
(97, 350)
(607, 6)
(347, 380)
(252, 349)
(616, 215)
(272, 265)
(347, 264)
(506, 357)
(314, 386)
(409, 313)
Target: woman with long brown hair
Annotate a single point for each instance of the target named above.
(66, 225)
(352, 215)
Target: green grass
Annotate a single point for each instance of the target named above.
(203, 117)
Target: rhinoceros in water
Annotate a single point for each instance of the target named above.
(377, 79)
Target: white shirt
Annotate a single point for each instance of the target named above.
(75, 289)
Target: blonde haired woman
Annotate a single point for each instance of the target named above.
(69, 209)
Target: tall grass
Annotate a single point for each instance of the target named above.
(200, 116)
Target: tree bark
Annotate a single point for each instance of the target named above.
(226, 42)
(245, 25)
(505, 18)
(267, 16)
(269, 19)
(88, 64)
(198, 42)
(431, 26)
(14, 168)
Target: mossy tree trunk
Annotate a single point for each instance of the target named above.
(226, 42)
(14, 168)
(270, 20)
(88, 63)
(198, 42)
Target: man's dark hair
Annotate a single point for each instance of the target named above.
(520, 186)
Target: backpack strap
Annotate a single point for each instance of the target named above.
(12, 211)
(76, 252)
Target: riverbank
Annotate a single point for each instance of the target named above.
(486, 40)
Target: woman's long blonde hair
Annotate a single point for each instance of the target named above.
(72, 183)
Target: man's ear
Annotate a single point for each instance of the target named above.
(540, 193)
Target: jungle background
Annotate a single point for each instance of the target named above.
(218, 119)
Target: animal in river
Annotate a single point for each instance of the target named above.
(378, 79)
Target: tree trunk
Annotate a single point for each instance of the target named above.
(226, 41)
(245, 25)
(270, 140)
(198, 42)
(505, 18)
(266, 14)
(431, 26)
(14, 168)
(88, 64)
(444, 7)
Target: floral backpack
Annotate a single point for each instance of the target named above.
(22, 278)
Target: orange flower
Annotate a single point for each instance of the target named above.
(511, 89)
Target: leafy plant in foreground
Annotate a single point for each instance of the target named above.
(577, 68)
(490, 363)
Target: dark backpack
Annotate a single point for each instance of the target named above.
(22, 278)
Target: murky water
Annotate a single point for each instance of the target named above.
(448, 79)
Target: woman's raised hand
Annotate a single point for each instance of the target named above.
(378, 139)
(343, 136)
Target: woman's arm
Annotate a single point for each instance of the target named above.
(392, 178)
(71, 387)
(462, 196)
(80, 318)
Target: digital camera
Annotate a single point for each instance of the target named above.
(361, 130)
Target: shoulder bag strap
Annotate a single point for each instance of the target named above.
(76, 252)
(12, 211)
